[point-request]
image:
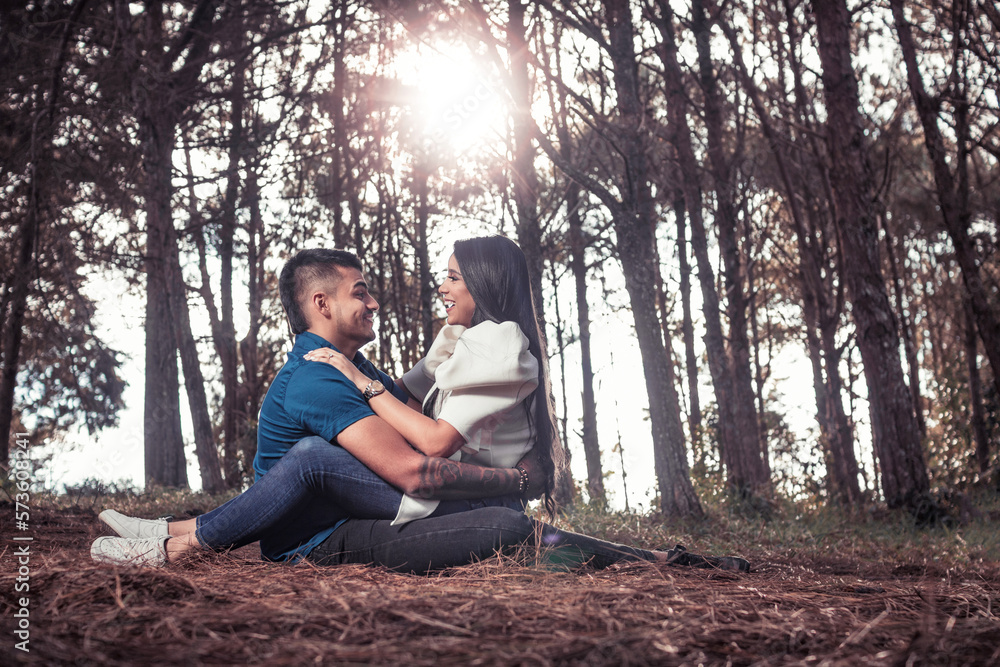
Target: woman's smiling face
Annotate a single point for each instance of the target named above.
(457, 301)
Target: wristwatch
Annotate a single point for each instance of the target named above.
(373, 389)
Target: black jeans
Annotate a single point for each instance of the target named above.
(309, 490)
(457, 539)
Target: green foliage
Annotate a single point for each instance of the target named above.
(706, 468)
(796, 463)
(951, 442)
(64, 189)
(95, 488)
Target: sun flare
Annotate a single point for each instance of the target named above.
(457, 101)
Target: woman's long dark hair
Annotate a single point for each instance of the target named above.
(496, 273)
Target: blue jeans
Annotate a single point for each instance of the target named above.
(296, 505)
(455, 539)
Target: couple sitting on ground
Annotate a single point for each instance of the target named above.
(426, 472)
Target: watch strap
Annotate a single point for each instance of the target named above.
(373, 389)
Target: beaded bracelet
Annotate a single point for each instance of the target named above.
(522, 485)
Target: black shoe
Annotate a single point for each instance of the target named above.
(681, 556)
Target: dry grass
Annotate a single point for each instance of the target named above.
(234, 609)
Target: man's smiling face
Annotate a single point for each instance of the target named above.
(353, 309)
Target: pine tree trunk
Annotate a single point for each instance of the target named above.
(338, 148)
(421, 175)
(715, 341)
(975, 389)
(226, 338)
(895, 434)
(635, 229)
(560, 330)
(829, 293)
(158, 106)
(529, 231)
(565, 490)
(952, 189)
(907, 331)
(13, 333)
(13, 326)
(578, 264)
(16, 294)
(748, 471)
(841, 440)
(819, 387)
(253, 382)
(164, 445)
(821, 317)
(687, 324)
(194, 381)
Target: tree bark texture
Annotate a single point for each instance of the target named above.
(978, 419)
(578, 265)
(750, 471)
(687, 323)
(820, 310)
(578, 243)
(525, 180)
(952, 189)
(715, 341)
(636, 238)
(164, 445)
(895, 434)
(226, 342)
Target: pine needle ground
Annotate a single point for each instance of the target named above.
(833, 593)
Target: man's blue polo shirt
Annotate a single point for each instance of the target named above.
(311, 398)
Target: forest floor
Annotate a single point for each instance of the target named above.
(861, 591)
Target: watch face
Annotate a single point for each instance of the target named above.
(374, 389)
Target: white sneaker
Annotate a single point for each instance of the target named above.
(127, 526)
(150, 552)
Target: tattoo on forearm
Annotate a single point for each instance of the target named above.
(444, 479)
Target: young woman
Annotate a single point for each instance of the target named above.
(485, 401)
(483, 391)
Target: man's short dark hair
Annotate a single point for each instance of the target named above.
(302, 271)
